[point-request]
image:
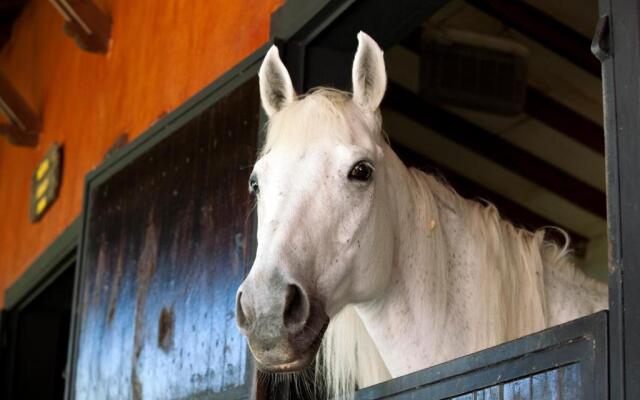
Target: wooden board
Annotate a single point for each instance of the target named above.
(168, 240)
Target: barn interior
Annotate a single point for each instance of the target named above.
(504, 101)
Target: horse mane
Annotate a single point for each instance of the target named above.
(348, 359)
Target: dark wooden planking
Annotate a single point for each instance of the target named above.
(619, 50)
(498, 150)
(9, 11)
(564, 120)
(514, 212)
(167, 242)
(11, 4)
(545, 109)
(544, 29)
(573, 356)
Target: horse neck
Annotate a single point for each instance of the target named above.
(462, 279)
(413, 307)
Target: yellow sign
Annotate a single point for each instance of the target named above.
(46, 179)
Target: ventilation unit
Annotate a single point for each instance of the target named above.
(473, 70)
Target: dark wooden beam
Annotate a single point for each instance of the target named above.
(11, 5)
(509, 209)
(24, 125)
(564, 120)
(496, 149)
(544, 29)
(85, 23)
(9, 11)
(546, 110)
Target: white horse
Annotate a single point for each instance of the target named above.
(384, 267)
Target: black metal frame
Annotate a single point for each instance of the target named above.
(617, 44)
(224, 85)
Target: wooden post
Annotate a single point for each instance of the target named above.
(24, 125)
(85, 23)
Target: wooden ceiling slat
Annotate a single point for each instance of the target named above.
(85, 23)
(496, 149)
(25, 125)
(9, 11)
(547, 110)
(564, 120)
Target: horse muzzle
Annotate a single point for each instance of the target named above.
(283, 324)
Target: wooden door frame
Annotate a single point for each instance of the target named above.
(46, 268)
(50, 264)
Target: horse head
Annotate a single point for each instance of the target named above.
(324, 214)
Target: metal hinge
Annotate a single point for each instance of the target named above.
(601, 43)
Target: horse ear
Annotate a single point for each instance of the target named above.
(368, 74)
(276, 89)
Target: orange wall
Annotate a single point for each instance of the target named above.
(162, 52)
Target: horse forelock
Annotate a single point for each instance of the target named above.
(321, 113)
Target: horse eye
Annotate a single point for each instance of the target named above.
(253, 185)
(361, 171)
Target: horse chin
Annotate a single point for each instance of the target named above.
(302, 359)
(292, 366)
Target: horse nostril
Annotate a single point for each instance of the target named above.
(296, 307)
(241, 318)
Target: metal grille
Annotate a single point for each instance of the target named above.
(474, 77)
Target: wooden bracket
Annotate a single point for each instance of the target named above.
(24, 125)
(86, 24)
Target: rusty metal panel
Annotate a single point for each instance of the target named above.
(167, 242)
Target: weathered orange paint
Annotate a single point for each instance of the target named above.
(161, 53)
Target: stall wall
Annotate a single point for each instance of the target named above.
(161, 53)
